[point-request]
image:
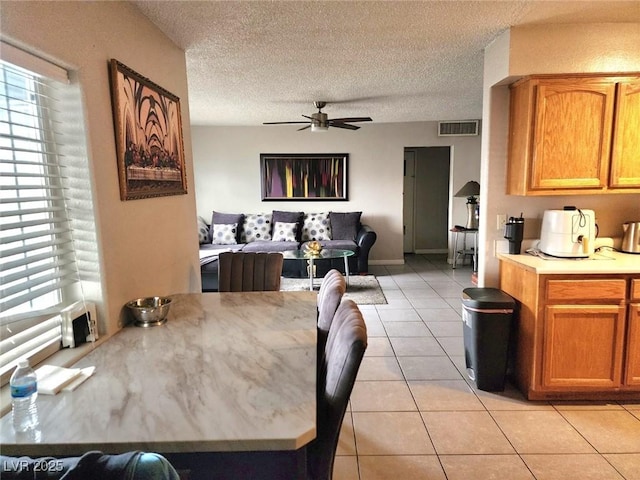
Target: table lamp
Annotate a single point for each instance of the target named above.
(470, 190)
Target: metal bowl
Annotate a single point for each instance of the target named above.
(149, 311)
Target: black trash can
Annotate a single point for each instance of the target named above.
(487, 314)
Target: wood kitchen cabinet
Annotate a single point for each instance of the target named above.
(632, 373)
(625, 155)
(577, 336)
(574, 135)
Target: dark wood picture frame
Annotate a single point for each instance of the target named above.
(148, 131)
(304, 176)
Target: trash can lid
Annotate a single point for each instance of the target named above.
(487, 298)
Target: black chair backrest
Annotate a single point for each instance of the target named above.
(331, 291)
(249, 271)
(346, 344)
(92, 465)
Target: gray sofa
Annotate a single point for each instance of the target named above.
(279, 231)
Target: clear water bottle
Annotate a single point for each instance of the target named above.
(24, 393)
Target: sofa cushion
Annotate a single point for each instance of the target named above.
(344, 226)
(284, 232)
(288, 217)
(257, 226)
(316, 226)
(203, 230)
(224, 234)
(270, 246)
(226, 219)
(336, 244)
(209, 247)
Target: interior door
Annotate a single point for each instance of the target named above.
(432, 171)
(408, 219)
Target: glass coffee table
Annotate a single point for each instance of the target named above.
(325, 254)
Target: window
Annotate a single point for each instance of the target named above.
(39, 273)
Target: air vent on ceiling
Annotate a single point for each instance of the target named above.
(460, 128)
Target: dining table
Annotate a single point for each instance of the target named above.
(226, 388)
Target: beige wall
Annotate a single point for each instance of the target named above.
(146, 247)
(227, 171)
(545, 49)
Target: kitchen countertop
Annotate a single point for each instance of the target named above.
(606, 262)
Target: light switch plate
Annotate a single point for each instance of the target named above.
(501, 220)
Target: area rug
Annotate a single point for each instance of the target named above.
(362, 289)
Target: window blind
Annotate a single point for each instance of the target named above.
(37, 257)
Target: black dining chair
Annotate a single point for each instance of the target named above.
(249, 271)
(338, 367)
(330, 294)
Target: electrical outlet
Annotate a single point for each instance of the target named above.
(501, 220)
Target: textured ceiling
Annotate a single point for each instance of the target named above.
(250, 62)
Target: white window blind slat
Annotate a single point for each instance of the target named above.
(36, 96)
(31, 199)
(22, 121)
(28, 341)
(38, 293)
(44, 283)
(32, 211)
(4, 138)
(35, 234)
(32, 223)
(31, 271)
(23, 149)
(10, 161)
(32, 247)
(34, 259)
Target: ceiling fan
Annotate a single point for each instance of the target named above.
(319, 122)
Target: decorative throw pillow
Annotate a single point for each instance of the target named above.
(288, 217)
(257, 226)
(284, 232)
(316, 226)
(226, 219)
(345, 226)
(225, 233)
(203, 230)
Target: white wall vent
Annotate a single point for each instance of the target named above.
(461, 128)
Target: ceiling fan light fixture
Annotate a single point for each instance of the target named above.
(316, 127)
(319, 122)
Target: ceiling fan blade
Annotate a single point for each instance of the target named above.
(351, 119)
(333, 123)
(281, 123)
(304, 128)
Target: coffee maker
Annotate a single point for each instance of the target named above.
(513, 231)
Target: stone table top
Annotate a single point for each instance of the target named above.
(227, 372)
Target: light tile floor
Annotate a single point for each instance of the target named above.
(414, 415)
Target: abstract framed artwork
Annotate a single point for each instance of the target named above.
(304, 176)
(149, 143)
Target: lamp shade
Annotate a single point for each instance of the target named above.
(469, 189)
